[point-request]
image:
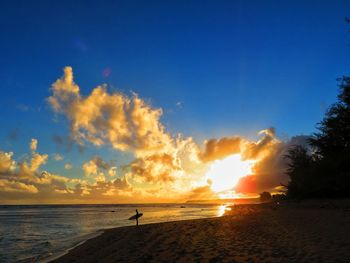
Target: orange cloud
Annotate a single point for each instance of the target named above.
(269, 172)
(201, 193)
(14, 186)
(219, 149)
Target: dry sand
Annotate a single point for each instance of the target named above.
(307, 232)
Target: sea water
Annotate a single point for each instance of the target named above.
(34, 233)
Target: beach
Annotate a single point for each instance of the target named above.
(33, 233)
(288, 232)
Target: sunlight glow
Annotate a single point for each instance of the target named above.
(225, 174)
(222, 209)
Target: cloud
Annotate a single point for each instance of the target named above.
(121, 183)
(33, 145)
(26, 184)
(7, 164)
(267, 153)
(26, 178)
(201, 193)
(90, 168)
(131, 124)
(68, 166)
(269, 170)
(127, 123)
(13, 186)
(95, 165)
(155, 168)
(165, 167)
(36, 161)
(112, 171)
(58, 157)
(219, 149)
(168, 177)
(178, 168)
(255, 150)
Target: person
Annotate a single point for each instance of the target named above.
(137, 217)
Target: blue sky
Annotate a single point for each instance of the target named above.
(236, 67)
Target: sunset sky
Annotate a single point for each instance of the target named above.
(155, 101)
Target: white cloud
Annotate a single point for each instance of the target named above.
(58, 157)
(68, 166)
(33, 145)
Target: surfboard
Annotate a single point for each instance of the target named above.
(136, 216)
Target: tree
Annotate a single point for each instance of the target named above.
(325, 172)
(334, 129)
(332, 144)
(265, 197)
(299, 171)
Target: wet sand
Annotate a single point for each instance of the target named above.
(304, 232)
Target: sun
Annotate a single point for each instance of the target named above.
(225, 174)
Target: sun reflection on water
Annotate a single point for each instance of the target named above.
(222, 209)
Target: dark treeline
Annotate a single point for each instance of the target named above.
(322, 168)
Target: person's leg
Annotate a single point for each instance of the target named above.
(137, 221)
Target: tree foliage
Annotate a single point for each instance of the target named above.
(265, 197)
(325, 171)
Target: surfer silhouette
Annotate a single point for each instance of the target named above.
(137, 217)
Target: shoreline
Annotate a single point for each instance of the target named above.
(289, 232)
(60, 254)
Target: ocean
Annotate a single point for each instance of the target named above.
(36, 233)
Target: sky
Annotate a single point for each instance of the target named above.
(185, 83)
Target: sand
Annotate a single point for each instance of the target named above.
(306, 232)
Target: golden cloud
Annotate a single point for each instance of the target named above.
(155, 168)
(256, 150)
(7, 164)
(202, 193)
(28, 184)
(97, 166)
(128, 124)
(219, 149)
(15, 186)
